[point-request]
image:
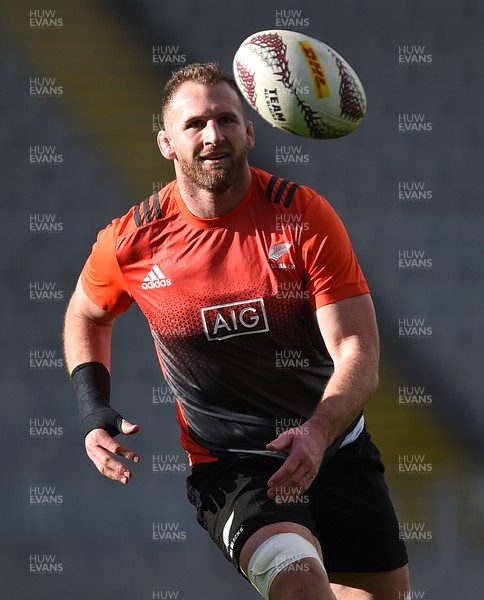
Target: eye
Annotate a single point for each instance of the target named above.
(227, 119)
(195, 124)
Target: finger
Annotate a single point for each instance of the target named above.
(293, 486)
(112, 473)
(286, 489)
(101, 447)
(282, 442)
(109, 466)
(292, 478)
(284, 473)
(129, 428)
(99, 438)
(124, 451)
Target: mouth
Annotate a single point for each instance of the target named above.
(214, 157)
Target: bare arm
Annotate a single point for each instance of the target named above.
(87, 332)
(87, 338)
(351, 336)
(350, 333)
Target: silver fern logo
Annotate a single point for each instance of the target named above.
(279, 250)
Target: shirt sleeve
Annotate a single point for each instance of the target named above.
(101, 277)
(333, 272)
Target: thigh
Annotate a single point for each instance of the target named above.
(388, 585)
(353, 512)
(232, 503)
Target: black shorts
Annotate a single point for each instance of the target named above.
(347, 507)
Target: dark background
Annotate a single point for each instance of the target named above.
(100, 117)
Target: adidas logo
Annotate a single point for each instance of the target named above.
(155, 279)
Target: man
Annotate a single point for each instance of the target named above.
(266, 334)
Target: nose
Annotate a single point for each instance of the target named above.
(212, 133)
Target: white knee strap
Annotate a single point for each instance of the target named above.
(274, 555)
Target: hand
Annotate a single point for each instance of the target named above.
(101, 449)
(306, 448)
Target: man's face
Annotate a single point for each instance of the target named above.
(206, 133)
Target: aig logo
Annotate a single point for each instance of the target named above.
(223, 321)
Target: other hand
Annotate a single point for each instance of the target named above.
(102, 450)
(306, 448)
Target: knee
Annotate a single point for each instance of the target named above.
(288, 566)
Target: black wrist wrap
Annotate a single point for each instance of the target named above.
(92, 383)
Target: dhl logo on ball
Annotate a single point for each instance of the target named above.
(316, 68)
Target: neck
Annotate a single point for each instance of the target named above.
(206, 204)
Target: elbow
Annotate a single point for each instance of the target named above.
(374, 381)
(369, 377)
(373, 357)
(372, 374)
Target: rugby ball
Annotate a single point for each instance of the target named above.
(299, 84)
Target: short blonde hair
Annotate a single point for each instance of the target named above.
(204, 73)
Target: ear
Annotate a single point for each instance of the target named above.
(250, 141)
(164, 144)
